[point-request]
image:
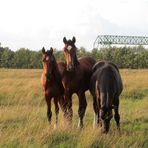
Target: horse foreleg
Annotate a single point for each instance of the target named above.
(68, 108)
(82, 108)
(70, 111)
(56, 112)
(63, 105)
(49, 112)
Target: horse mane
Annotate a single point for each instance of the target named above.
(76, 62)
(56, 71)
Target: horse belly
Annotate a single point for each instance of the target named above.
(54, 91)
(75, 86)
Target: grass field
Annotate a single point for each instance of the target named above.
(23, 121)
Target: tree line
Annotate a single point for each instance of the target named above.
(125, 57)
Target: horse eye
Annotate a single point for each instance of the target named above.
(65, 49)
(43, 59)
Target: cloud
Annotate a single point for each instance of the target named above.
(36, 23)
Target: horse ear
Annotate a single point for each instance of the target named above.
(43, 50)
(65, 40)
(73, 39)
(51, 50)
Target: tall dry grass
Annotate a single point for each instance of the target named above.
(23, 121)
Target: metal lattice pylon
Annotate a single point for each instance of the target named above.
(107, 40)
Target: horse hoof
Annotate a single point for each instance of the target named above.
(118, 129)
(80, 125)
(55, 126)
(49, 122)
(103, 131)
(94, 125)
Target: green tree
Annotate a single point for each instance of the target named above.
(22, 58)
(7, 58)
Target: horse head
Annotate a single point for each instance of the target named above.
(106, 115)
(70, 53)
(48, 61)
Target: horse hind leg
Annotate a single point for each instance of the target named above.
(82, 108)
(96, 112)
(116, 110)
(98, 105)
(103, 112)
(68, 112)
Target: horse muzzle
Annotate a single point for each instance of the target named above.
(48, 76)
(70, 67)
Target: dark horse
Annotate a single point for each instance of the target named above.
(76, 76)
(106, 87)
(51, 83)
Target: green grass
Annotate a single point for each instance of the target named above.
(23, 121)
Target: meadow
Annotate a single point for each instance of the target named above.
(23, 121)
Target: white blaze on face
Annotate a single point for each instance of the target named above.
(69, 48)
(47, 58)
(69, 58)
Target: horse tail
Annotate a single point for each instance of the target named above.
(97, 92)
(107, 101)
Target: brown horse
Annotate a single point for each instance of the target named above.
(76, 76)
(106, 87)
(51, 83)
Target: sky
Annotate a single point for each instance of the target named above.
(36, 23)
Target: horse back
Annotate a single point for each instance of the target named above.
(109, 79)
(104, 62)
(105, 72)
(79, 79)
(87, 62)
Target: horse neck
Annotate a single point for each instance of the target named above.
(55, 68)
(56, 72)
(76, 62)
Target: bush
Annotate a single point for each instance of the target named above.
(124, 57)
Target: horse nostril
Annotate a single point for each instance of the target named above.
(70, 65)
(70, 68)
